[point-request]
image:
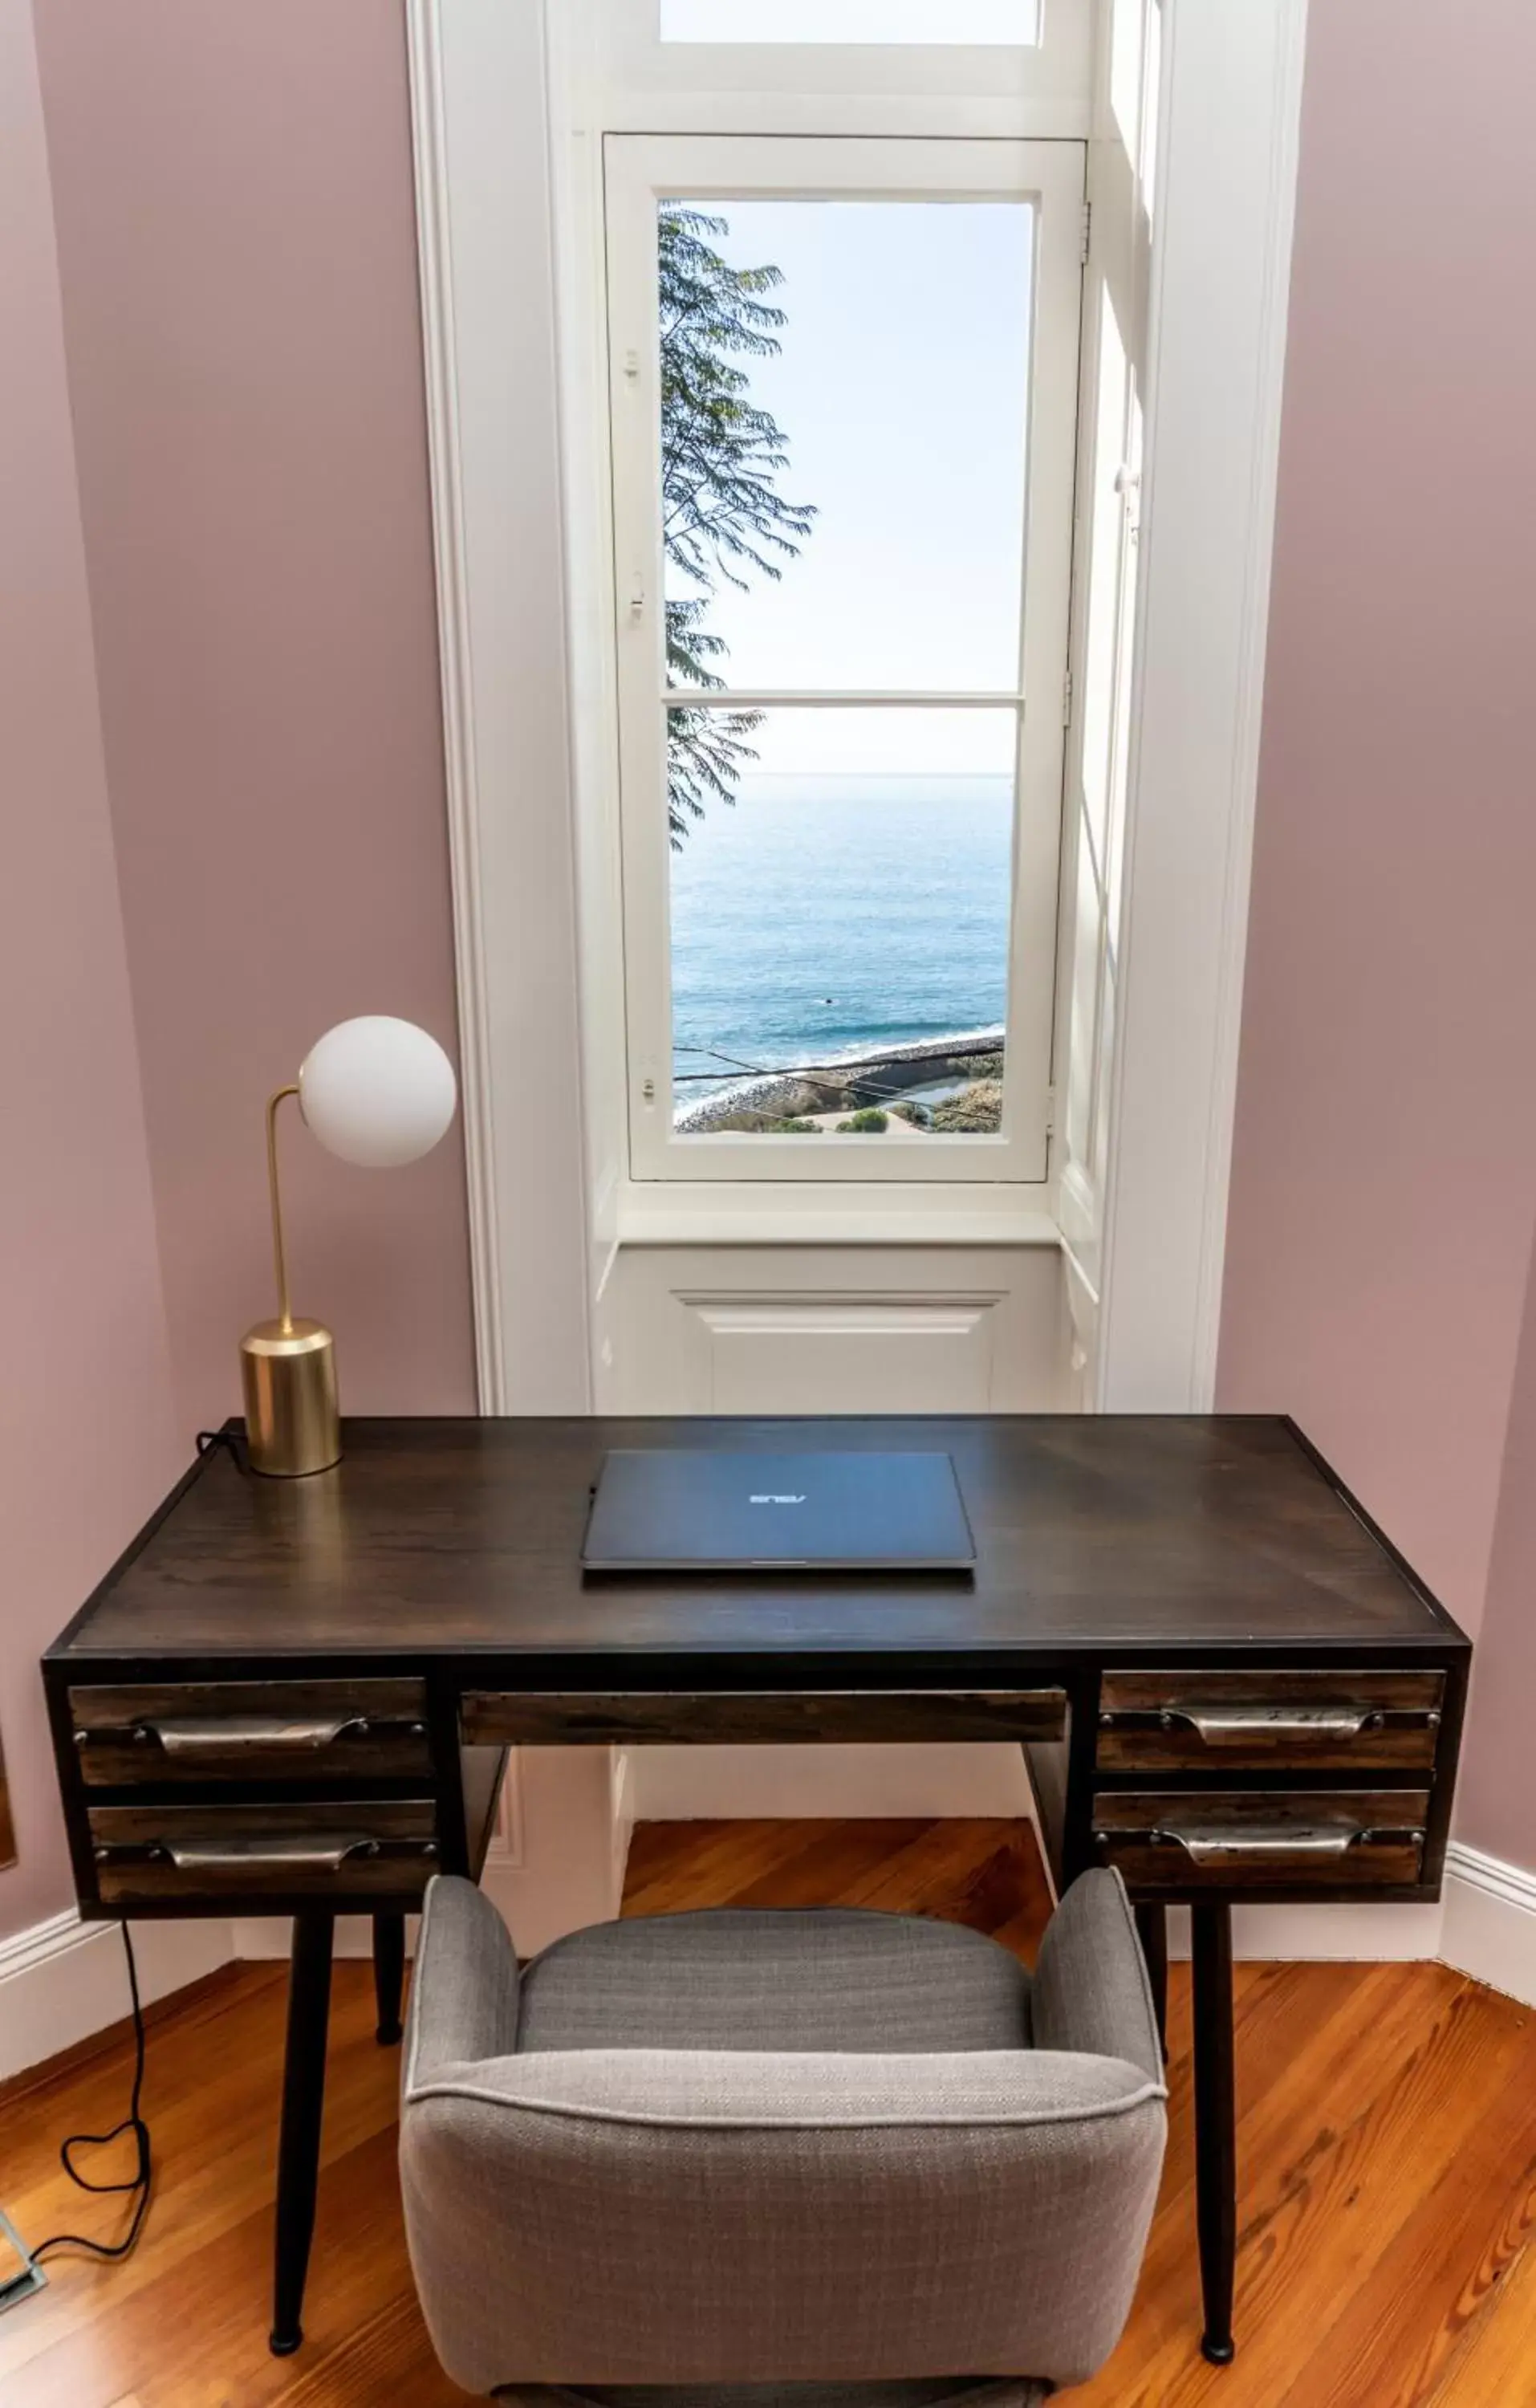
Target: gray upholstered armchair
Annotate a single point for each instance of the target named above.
(766, 2157)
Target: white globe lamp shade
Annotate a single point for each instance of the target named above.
(377, 1090)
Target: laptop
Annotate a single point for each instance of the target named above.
(682, 1509)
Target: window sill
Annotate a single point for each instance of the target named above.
(705, 1214)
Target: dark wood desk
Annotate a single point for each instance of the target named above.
(292, 1697)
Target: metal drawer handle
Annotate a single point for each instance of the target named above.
(1236, 1726)
(1264, 1842)
(306, 1852)
(238, 1735)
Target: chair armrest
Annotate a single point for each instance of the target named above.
(1091, 1990)
(464, 1990)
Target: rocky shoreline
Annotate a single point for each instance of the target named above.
(866, 1078)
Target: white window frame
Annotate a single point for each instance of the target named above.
(1230, 115)
(1013, 90)
(641, 171)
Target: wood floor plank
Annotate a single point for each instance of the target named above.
(1326, 2159)
(829, 1865)
(1497, 2351)
(1386, 2143)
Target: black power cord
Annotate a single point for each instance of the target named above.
(140, 2182)
(133, 2122)
(208, 1439)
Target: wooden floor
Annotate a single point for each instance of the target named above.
(1389, 2182)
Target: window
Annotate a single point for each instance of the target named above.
(875, 22)
(844, 386)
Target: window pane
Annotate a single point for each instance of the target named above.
(850, 21)
(840, 930)
(842, 433)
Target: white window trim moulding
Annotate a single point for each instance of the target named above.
(1230, 112)
(1227, 148)
(484, 242)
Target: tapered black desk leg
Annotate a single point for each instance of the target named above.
(1152, 1928)
(1216, 2122)
(389, 1974)
(303, 2099)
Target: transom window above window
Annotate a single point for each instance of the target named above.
(1001, 22)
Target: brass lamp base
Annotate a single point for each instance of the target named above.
(289, 1373)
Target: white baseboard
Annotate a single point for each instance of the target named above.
(1490, 1922)
(258, 1938)
(64, 1979)
(1300, 1935)
(828, 1781)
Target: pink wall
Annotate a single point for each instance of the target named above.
(233, 193)
(1497, 1808)
(1384, 1186)
(1385, 1180)
(87, 1435)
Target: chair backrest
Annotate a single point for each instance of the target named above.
(633, 2217)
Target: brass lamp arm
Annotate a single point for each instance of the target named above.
(285, 1317)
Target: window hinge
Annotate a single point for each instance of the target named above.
(1050, 1111)
(1087, 231)
(1067, 699)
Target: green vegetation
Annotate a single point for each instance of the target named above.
(918, 1114)
(870, 1122)
(977, 1066)
(976, 1111)
(793, 1128)
(722, 515)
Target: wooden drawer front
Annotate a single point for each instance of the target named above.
(1269, 1722)
(1258, 1840)
(517, 1718)
(250, 1730)
(341, 1851)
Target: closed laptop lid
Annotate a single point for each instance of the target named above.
(676, 1509)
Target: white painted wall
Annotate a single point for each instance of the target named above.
(832, 1330)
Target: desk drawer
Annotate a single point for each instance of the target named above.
(538, 1718)
(250, 1730)
(340, 1852)
(1255, 1839)
(1259, 1721)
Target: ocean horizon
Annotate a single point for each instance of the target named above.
(819, 918)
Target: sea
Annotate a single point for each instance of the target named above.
(816, 919)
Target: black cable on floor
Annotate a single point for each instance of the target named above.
(133, 2122)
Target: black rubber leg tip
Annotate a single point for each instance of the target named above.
(285, 2345)
(1217, 2353)
(388, 2035)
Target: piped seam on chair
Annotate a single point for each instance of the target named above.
(721, 2120)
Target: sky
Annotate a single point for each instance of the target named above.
(901, 387)
(850, 21)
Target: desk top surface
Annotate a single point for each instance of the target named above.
(1093, 1533)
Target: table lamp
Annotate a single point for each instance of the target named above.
(374, 1091)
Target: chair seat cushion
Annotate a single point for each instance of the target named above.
(838, 1980)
